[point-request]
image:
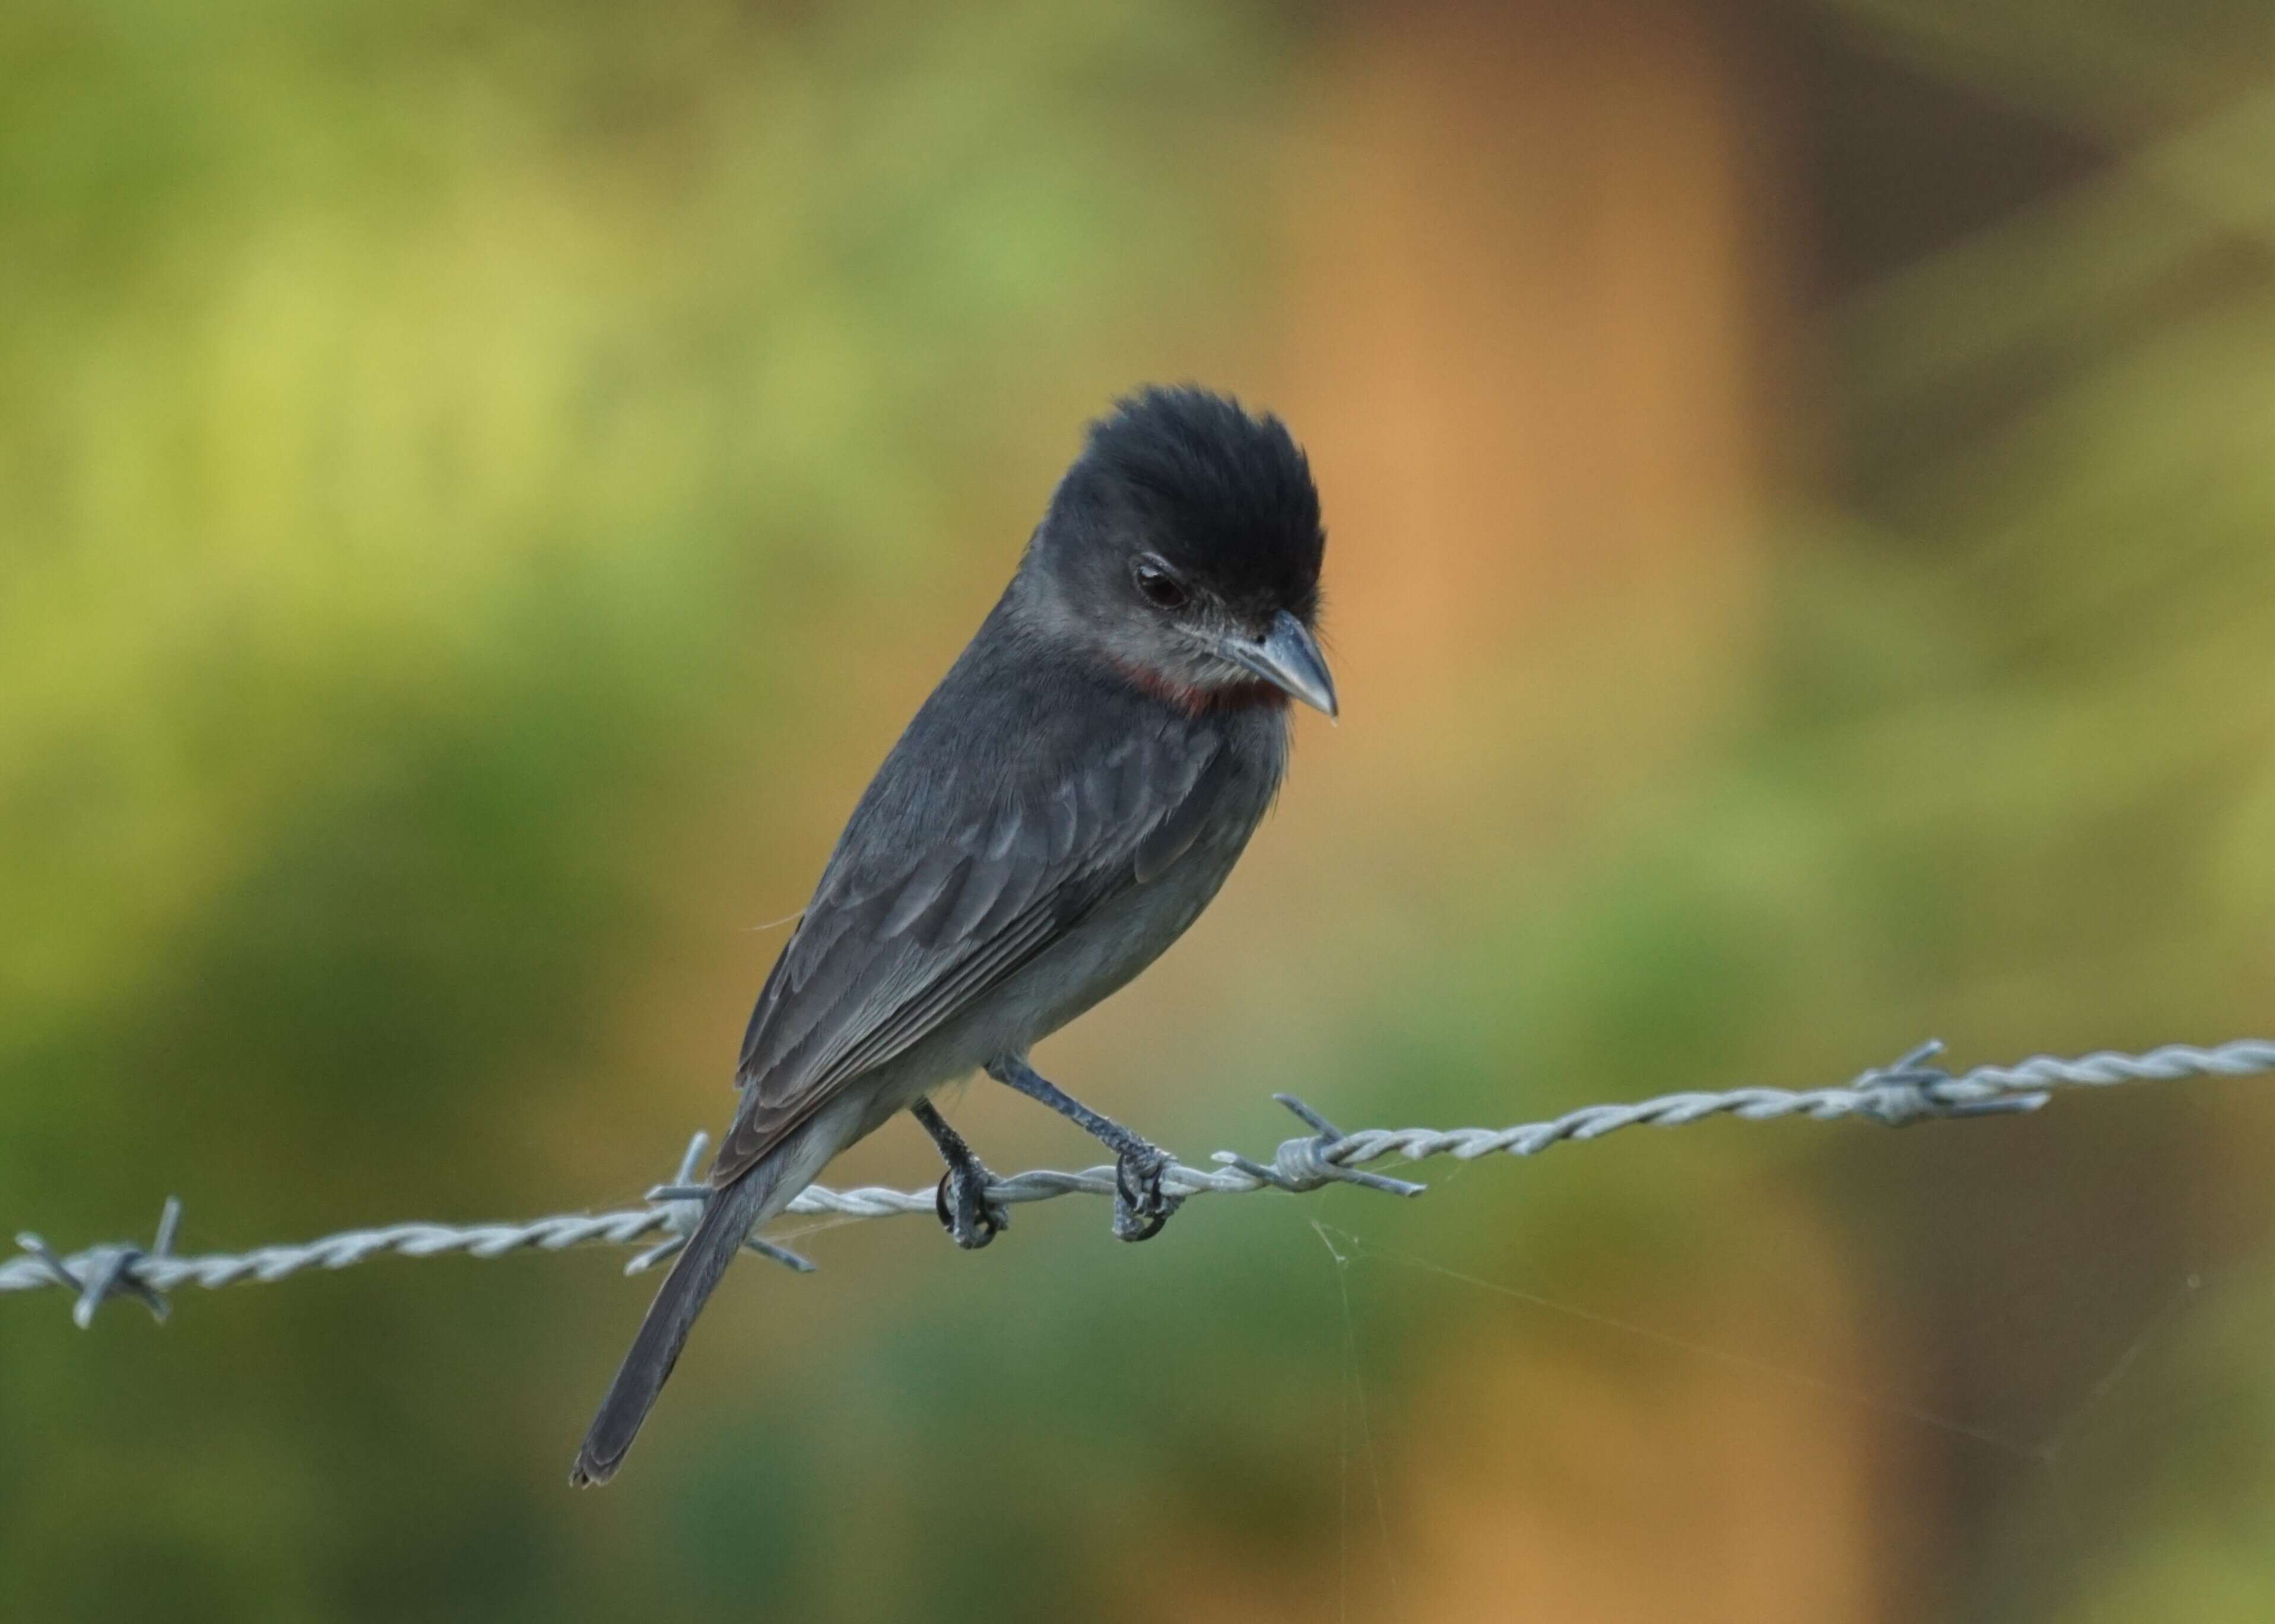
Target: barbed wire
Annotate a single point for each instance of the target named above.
(1912, 1090)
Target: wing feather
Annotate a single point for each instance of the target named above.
(911, 925)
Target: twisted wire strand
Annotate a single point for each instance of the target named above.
(1911, 1090)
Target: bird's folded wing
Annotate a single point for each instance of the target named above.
(935, 898)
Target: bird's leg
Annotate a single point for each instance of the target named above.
(967, 1206)
(1141, 1205)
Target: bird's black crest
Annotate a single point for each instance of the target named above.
(1221, 495)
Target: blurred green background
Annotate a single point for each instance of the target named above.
(481, 486)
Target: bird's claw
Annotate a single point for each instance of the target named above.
(1141, 1204)
(969, 1208)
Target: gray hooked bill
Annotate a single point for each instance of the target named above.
(1288, 657)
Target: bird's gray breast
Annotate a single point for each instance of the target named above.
(1132, 929)
(1109, 946)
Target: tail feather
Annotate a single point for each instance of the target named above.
(727, 1219)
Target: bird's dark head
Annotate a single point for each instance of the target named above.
(1183, 548)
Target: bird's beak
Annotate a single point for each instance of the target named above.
(1288, 657)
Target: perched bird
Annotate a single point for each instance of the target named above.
(1062, 808)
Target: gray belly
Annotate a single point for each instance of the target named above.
(1091, 962)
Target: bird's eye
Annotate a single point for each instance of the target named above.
(1157, 586)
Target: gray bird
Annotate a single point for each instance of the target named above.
(1062, 808)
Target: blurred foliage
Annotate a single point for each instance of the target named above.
(441, 449)
(425, 434)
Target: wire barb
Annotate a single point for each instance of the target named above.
(1302, 1164)
(1911, 1090)
(103, 1272)
(682, 1201)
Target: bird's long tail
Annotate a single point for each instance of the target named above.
(728, 1216)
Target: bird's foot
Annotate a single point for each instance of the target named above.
(970, 1210)
(1141, 1204)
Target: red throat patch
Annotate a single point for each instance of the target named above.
(1195, 700)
